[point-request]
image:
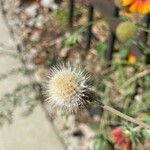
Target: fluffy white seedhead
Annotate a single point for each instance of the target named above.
(66, 87)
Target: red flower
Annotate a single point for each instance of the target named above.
(128, 145)
(120, 139)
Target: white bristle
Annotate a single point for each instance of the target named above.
(65, 87)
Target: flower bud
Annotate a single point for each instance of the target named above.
(126, 31)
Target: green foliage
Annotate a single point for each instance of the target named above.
(119, 87)
(101, 49)
(123, 54)
(135, 136)
(146, 133)
(102, 143)
(48, 62)
(72, 40)
(62, 15)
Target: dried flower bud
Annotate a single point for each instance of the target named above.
(66, 87)
(126, 31)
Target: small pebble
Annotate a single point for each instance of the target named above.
(49, 4)
(32, 10)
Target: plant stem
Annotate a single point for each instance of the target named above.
(126, 117)
(137, 76)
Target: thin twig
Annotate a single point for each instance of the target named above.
(126, 117)
(137, 76)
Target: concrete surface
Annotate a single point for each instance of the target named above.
(25, 133)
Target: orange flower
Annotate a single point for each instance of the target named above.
(140, 6)
(132, 59)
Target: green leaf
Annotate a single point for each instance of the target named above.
(146, 133)
(72, 40)
(147, 118)
(63, 14)
(123, 53)
(99, 144)
(101, 49)
(102, 143)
